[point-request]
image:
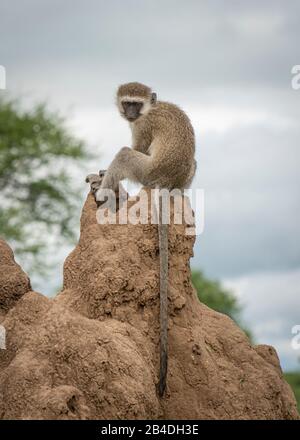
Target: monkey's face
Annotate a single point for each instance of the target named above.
(133, 106)
(131, 110)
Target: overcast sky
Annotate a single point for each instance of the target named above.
(228, 64)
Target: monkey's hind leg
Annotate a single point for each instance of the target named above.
(127, 164)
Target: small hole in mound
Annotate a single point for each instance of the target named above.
(72, 404)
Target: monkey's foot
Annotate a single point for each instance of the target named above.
(95, 181)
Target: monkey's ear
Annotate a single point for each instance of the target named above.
(153, 98)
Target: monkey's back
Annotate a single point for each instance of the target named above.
(172, 145)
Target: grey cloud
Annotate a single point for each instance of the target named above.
(272, 303)
(169, 44)
(252, 211)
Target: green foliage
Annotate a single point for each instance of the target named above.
(37, 196)
(212, 294)
(293, 378)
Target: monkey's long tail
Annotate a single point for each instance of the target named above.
(163, 256)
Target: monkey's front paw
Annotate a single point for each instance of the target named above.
(91, 177)
(111, 181)
(95, 181)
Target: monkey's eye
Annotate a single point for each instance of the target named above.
(126, 105)
(135, 104)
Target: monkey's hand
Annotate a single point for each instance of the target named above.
(95, 181)
(109, 190)
(109, 182)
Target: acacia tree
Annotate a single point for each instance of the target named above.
(37, 194)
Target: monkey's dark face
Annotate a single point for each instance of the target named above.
(132, 109)
(133, 105)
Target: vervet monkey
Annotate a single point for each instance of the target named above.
(162, 156)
